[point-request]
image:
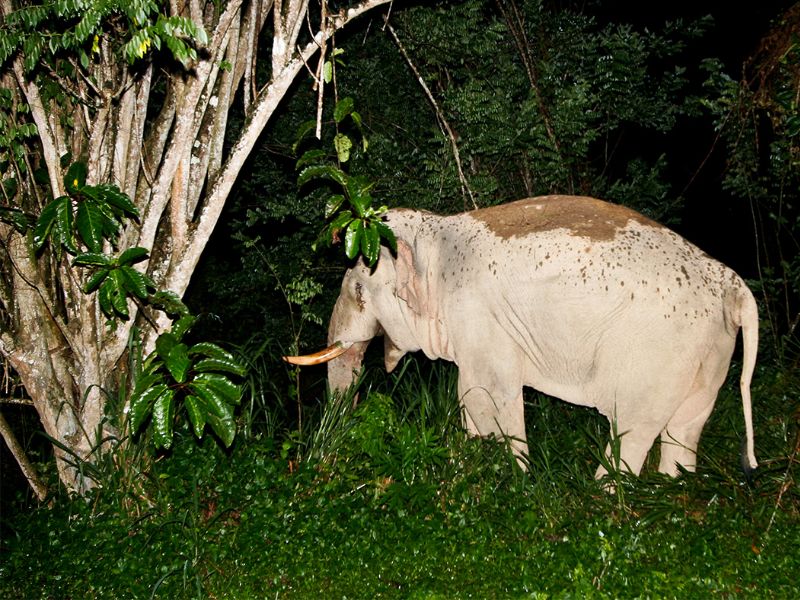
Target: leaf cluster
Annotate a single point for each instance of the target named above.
(350, 212)
(132, 27)
(196, 378)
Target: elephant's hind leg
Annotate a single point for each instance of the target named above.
(634, 444)
(681, 436)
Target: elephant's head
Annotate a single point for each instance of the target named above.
(387, 300)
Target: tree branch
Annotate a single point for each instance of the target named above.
(22, 460)
(444, 124)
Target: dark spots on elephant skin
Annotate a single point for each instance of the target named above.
(360, 296)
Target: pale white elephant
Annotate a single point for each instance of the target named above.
(583, 300)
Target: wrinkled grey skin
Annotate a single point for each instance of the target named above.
(580, 299)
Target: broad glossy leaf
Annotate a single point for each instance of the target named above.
(131, 256)
(169, 302)
(302, 131)
(182, 325)
(93, 259)
(220, 385)
(343, 108)
(164, 343)
(371, 243)
(44, 223)
(119, 296)
(163, 412)
(90, 222)
(387, 235)
(142, 403)
(310, 157)
(211, 351)
(217, 365)
(333, 205)
(220, 413)
(322, 172)
(225, 428)
(104, 297)
(64, 228)
(135, 283)
(111, 195)
(178, 362)
(95, 280)
(197, 410)
(352, 238)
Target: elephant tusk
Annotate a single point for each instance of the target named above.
(323, 356)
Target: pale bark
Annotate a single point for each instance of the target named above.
(173, 164)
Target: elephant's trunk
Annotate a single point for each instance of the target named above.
(343, 371)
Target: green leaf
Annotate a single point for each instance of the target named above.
(302, 131)
(371, 244)
(178, 363)
(310, 157)
(63, 228)
(333, 205)
(220, 413)
(104, 297)
(75, 178)
(343, 145)
(44, 223)
(169, 302)
(93, 259)
(183, 324)
(111, 195)
(131, 256)
(162, 419)
(119, 297)
(134, 282)
(164, 343)
(211, 351)
(197, 411)
(327, 71)
(95, 280)
(352, 238)
(90, 225)
(322, 172)
(387, 234)
(220, 385)
(360, 199)
(216, 365)
(142, 402)
(343, 108)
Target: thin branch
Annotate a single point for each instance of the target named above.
(22, 460)
(445, 125)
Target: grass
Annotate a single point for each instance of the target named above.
(392, 500)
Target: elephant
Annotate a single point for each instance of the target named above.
(578, 298)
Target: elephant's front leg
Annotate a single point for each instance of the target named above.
(495, 412)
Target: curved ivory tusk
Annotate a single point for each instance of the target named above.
(323, 356)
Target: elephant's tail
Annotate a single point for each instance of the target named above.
(747, 317)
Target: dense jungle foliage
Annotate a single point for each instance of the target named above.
(316, 498)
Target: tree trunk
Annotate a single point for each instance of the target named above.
(168, 154)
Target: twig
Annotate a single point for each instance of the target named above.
(22, 460)
(446, 129)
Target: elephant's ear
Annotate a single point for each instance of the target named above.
(410, 284)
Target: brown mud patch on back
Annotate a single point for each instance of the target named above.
(581, 215)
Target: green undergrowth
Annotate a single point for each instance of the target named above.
(392, 500)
